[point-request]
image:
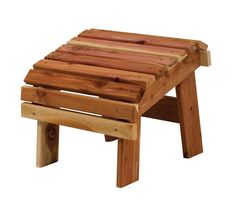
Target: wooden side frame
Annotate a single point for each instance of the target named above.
(120, 129)
(170, 80)
(57, 99)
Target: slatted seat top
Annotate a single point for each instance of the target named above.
(110, 65)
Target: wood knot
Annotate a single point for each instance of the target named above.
(51, 134)
(141, 42)
(40, 93)
(101, 83)
(116, 79)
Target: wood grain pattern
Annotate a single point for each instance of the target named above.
(190, 45)
(57, 99)
(128, 159)
(179, 54)
(107, 89)
(165, 109)
(164, 84)
(189, 117)
(119, 64)
(117, 54)
(96, 72)
(47, 144)
(205, 58)
(105, 81)
(121, 129)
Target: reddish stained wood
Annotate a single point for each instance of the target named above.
(190, 45)
(109, 138)
(189, 117)
(117, 54)
(57, 99)
(165, 109)
(180, 54)
(128, 159)
(119, 64)
(164, 84)
(96, 72)
(107, 89)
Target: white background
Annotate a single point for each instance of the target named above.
(86, 171)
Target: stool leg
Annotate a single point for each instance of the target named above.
(189, 117)
(47, 144)
(128, 160)
(109, 138)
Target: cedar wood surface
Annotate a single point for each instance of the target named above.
(117, 77)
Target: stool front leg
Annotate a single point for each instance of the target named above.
(47, 144)
(189, 117)
(128, 159)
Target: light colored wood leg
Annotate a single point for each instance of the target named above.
(109, 138)
(189, 117)
(128, 159)
(47, 144)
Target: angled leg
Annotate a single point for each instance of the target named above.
(47, 144)
(128, 159)
(189, 117)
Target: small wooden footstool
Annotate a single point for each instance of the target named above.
(104, 81)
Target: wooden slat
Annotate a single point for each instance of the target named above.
(107, 89)
(97, 72)
(118, 64)
(205, 58)
(189, 117)
(165, 109)
(153, 94)
(117, 54)
(124, 130)
(179, 54)
(47, 144)
(190, 45)
(54, 98)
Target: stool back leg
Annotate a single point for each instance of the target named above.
(189, 117)
(109, 138)
(128, 159)
(47, 144)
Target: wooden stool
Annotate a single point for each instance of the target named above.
(104, 81)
